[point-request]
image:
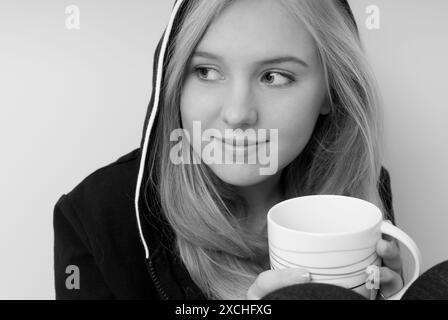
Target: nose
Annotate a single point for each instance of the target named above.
(238, 109)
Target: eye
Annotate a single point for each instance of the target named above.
(203, 72)
(283, 80)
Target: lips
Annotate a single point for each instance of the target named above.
(240, 143)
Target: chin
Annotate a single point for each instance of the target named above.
(242, 175)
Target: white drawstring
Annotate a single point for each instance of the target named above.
(160, 64)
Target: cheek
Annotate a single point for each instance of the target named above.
(188, 107)
(197, 104)
(294, 136)
(296, 123)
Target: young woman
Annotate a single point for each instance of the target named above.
(146, 226)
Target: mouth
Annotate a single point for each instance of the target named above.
(241, 143)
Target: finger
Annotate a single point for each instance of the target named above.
(271, 280)
(390, 253)
(390, 282)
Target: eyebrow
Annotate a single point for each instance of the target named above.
(274, 60)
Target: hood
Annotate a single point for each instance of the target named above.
(174, 22)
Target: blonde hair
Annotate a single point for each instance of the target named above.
(342, 157)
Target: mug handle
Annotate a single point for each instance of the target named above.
(393, 231)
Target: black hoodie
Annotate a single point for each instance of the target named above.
(113, 231)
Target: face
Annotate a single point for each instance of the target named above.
(233, 82)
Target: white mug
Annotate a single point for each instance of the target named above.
(334, 238)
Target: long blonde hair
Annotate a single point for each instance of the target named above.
(342, 157)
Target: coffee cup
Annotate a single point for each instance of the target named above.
(334, 238)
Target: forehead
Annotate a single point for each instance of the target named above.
(251, 29)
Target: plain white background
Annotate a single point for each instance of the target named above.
(72, 101)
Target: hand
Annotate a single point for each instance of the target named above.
(272, 280)
(391, 280)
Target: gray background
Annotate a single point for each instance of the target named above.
(72, 101)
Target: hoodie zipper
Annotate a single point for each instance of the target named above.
(156, 281)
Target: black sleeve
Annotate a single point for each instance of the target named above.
(385, 192)
(71, 248)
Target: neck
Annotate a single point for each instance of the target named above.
(260, 198)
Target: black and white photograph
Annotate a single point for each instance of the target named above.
(199, 150)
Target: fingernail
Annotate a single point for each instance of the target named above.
(302, 275)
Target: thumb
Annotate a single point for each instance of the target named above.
(272, 280)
